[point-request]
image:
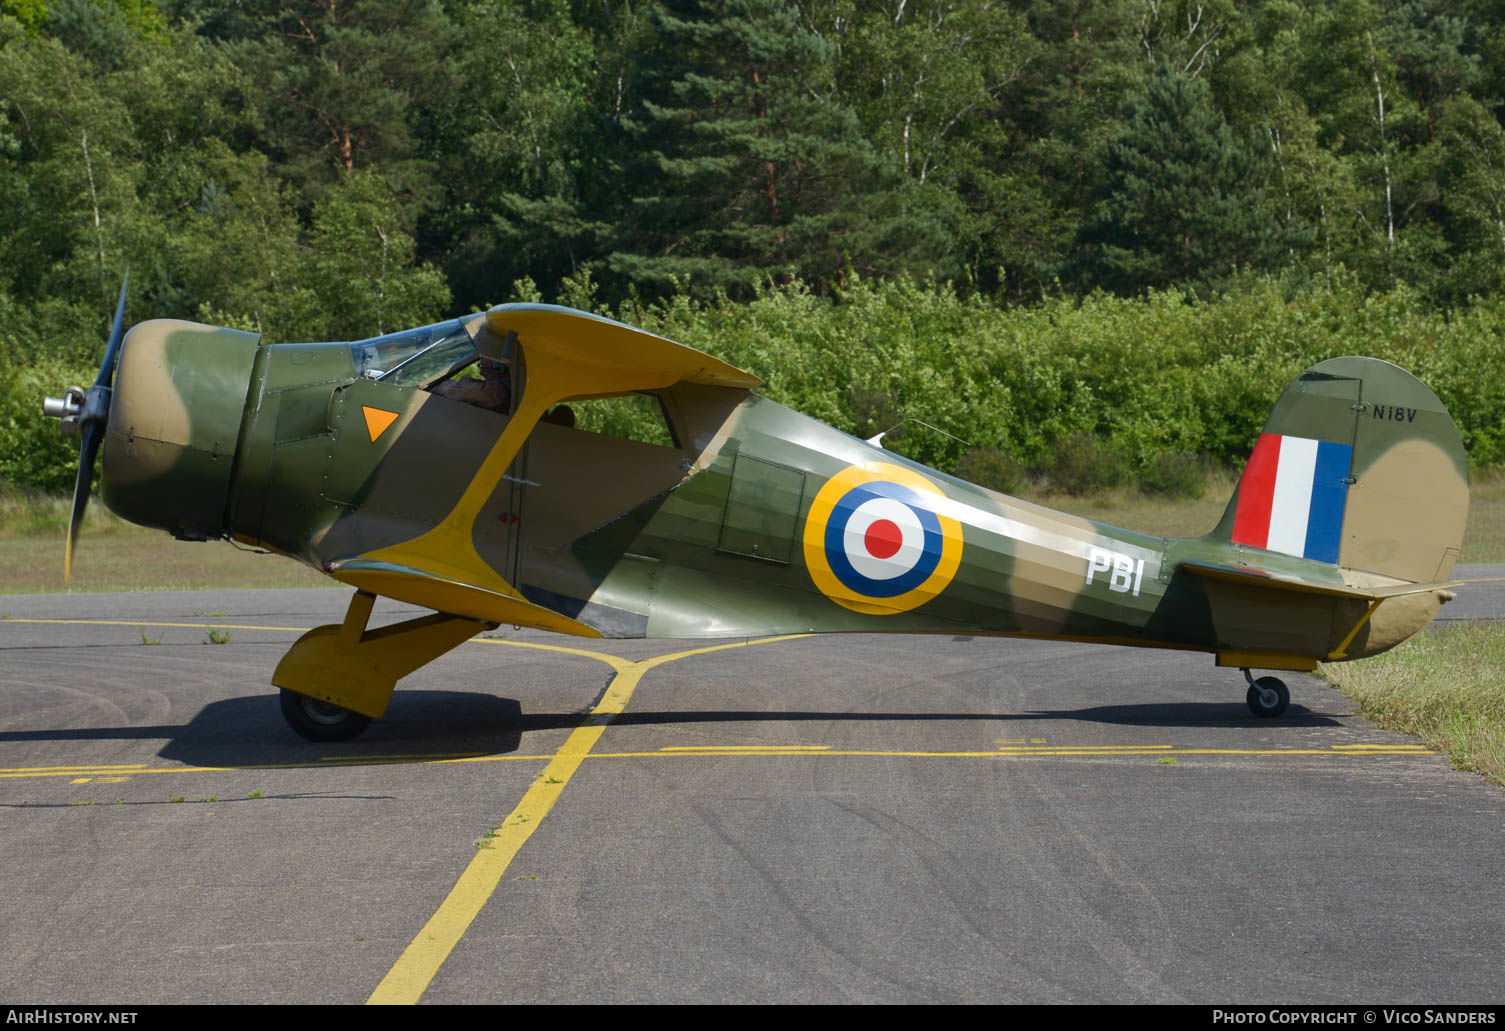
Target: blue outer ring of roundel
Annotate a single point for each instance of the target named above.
(836, 552)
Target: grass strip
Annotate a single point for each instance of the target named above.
(24, 514)
(1445, 686)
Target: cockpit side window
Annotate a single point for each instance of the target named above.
(415, 356)
(642, 417)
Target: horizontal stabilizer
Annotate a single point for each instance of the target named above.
(1250, 576)
(445, 594)
(1284, 620)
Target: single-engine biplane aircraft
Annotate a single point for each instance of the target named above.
(390, 466)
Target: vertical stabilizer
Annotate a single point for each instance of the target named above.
(1359, 465)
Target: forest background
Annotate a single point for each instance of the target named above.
(1089, 239)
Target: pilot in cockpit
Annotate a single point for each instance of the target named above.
(493, 390)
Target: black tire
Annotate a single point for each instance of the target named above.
(320, 721)
(1268, 697)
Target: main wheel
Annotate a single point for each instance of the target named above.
(1268, 697)
(320, 721)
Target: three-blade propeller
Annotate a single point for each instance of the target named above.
(86, 413)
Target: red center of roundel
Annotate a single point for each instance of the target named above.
(883, 538)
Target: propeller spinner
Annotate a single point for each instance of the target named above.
(85, 413)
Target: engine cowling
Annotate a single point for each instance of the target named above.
(175, 416)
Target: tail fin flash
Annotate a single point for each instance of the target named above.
(1359, 465)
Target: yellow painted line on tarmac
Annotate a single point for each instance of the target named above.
(98, 773)
(84, 771)
(731, 751)
(44, 769)
(1367, 747)
(1397, 750)
(397, 757)
(1027, 749)
(745, 748)
(583, 652)
(602, 656)
(321, 764)
(410, 976)
(151, 622)
(465, 758)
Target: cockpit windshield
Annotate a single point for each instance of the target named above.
(414, 356)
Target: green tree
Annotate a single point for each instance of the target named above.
(123, 165)
(929, 81)
(1055, 123)
(342, 84)
(926, 74)
(1339, 59)
(1185, 201)
(1472, 192)
(749, 164)
(361, 268)
(525, 162)
(67, 185)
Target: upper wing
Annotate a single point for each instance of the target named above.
(580, 338)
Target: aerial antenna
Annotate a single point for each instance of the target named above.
(877, 440)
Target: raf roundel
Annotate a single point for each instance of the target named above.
(875, 542)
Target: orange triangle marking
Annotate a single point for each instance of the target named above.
(377, 420)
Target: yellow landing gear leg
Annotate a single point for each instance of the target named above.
(337, 678)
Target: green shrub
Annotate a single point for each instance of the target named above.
(1082, 464)
(991, 468)
(34, 455)
(1175, 476)
(874, 412)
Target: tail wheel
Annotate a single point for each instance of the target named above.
(320, 721)
(1268, 697)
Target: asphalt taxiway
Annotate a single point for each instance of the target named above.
(835, 819)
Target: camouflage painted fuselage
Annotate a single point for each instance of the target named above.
(636, 539)
(756, 520)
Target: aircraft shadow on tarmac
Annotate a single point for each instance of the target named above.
(249, 731)
(1187, 714)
